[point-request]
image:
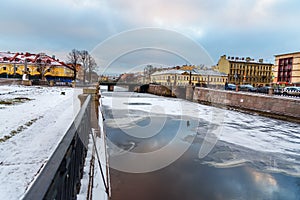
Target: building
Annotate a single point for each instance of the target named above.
(211, 77)
(245, 70)
(36, 66)
(287, 69)
(195, 77)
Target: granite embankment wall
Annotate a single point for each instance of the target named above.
(171, 91)
(275, 106)
(268, 105)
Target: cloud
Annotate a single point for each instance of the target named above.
(197, 14)
(63, 25)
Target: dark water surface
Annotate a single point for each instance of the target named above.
(194, 178)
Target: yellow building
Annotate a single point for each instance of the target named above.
(245, 70)
(287, 69)
(193, 77)
(37, 66)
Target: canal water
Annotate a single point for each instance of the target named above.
(160, 155)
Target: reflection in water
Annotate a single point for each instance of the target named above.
(228, 172)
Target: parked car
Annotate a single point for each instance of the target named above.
(293, 91)
(248, 88)
(230, 86)
(278, 91)
(264, 89)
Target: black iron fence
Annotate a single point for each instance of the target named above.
(60, 177)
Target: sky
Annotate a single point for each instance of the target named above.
(254, 28)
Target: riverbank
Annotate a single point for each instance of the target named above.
(30, 130)
(278, 107)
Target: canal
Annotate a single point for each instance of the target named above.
(166, 148)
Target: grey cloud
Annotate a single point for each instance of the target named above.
(232, 26)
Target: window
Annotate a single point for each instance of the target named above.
(4, 68)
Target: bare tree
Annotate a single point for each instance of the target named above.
(42, 68)
(148, 70)
(73, 58)
(88, 63)
(91, 66)
(84, 58)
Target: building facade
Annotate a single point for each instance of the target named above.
(245, 70)
(195, 77)
(287, 69)
(36, 66)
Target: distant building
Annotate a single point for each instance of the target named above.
(93, 76)
(287, 69)
(36, 66)
(245, 70)
(188, 76)
(103, 78)
(128, 78)
(136, 78)
(79, 70)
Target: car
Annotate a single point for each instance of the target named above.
(248, 88)
(264, 89)
(230, 86)
(278, 91)
(291, 90)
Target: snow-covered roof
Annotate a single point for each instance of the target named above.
(194, 72)
(21, 58)
(171, 71)
(209, 72)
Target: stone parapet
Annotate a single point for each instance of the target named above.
(94, 91)
(273, 106)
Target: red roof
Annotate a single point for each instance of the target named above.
(8, 57)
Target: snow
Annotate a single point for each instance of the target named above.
(34, 128)
(98, 190)
(171, 71)
(266, 131)
(194, 72)
(257, 133)
(31, 58)
(86, 171)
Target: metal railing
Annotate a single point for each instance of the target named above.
(60, 177)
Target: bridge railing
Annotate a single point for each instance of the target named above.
(60, 177)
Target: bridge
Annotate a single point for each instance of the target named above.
(111, 84)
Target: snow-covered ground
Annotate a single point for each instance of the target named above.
(33, 121)
(280, 140)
